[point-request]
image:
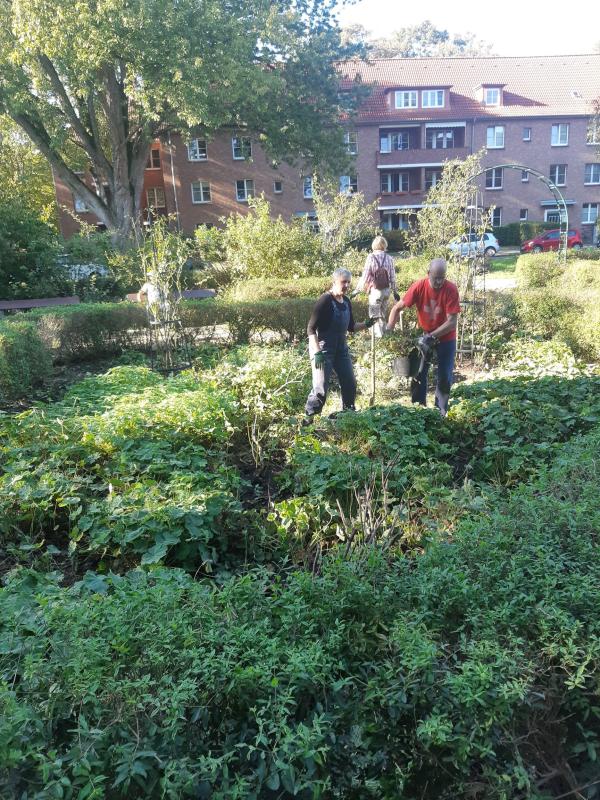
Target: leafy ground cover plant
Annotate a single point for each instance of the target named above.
(468, 672)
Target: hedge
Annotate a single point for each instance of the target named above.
(563, 301)
(24, 360)
(514, 233)
(92, 331)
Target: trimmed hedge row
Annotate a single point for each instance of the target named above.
(516, 232)
(24, 360)
(554, 300)
(99, 330)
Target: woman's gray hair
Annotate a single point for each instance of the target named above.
(340, 272)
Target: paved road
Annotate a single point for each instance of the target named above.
(497, 284)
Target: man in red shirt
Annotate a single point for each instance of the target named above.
(438, 307)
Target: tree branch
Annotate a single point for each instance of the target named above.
(88, 142)
(39, 136)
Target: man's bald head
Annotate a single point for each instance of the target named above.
(437, 272)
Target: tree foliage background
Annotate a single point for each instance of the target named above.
(422, 40)
(94, 85)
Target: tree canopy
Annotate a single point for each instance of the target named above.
(25, 176)
(93, 84)
(423, 40)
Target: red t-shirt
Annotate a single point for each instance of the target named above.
(433, 305)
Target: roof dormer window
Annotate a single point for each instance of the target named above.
(406, 99)
(490, 95)
(432, 98)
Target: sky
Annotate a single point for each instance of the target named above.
(513, 27)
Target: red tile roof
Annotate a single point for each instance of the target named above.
(533, 85)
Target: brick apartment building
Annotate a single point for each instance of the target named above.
(534, 111)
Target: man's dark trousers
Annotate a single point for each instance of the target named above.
(446, 352)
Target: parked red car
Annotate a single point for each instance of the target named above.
(549, 240)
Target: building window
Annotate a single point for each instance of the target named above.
(524, 176)
(197, 150)
(390, 142)
(491, 97)
(496, 218)
(589, 213)
(592, 173)
(432, 98)
(351, 142)
(307, 188)
(593, 131)
(406, 100)
(558, 174)
(560, 135)
(277, 187)
(241, 147)
(244, 189)
(526, 134)
(439, 139)
(432, 177)
(493, 178)
(393, 221)
(523, 214)
(394, 182)
(495, 136)
(348, 184)
(201, 192)
(153, 161)
(155, 197)
(552, 215)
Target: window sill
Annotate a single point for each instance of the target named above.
(566, 144)
(196, 160)
(201, 202)
(494, 188)
(593, 183)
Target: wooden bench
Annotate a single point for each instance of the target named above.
(187, 294)
(42, 302)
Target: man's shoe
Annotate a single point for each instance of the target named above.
(308, 420)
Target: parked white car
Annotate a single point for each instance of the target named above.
(472, 243)
(78, 272)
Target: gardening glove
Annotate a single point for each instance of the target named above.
(396, 296)
(426, 343)
(370, 322)
(319, 360)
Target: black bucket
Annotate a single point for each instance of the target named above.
(407, 366)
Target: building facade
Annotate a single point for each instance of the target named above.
(533, 111)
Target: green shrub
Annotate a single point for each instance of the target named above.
(538, 269)
(258, 246)
(28, 256)
(276, 289)
(97, 330)
(24, 360)
(562, 301)
(397, 240)
(514, 233)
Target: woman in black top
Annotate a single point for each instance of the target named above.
(330, 321)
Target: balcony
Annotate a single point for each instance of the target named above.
(420, 158)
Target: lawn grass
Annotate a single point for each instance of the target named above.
(505, 264)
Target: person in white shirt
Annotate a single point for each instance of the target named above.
(157, 302)
(379, 282)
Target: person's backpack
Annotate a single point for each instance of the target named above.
(381, 278)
